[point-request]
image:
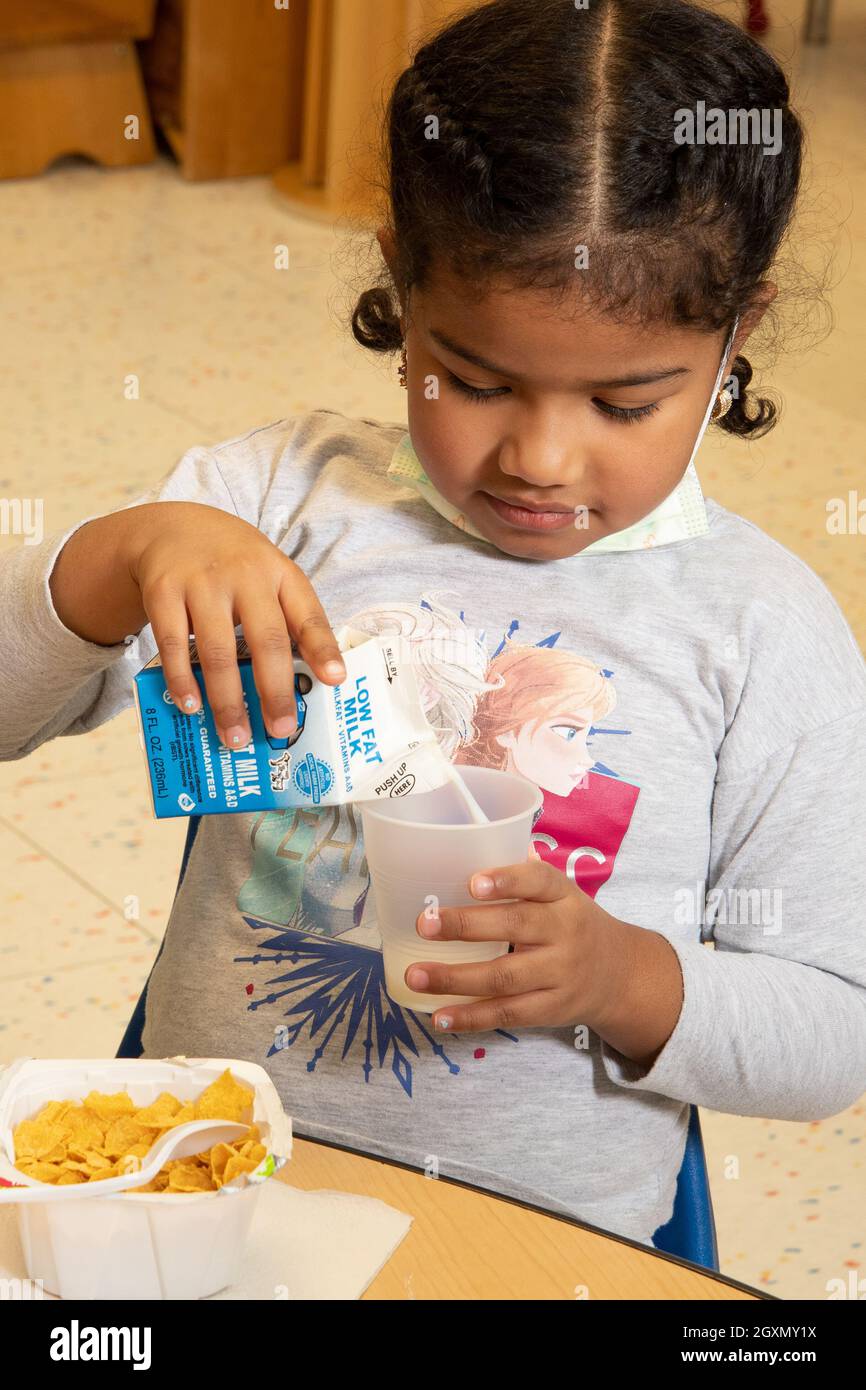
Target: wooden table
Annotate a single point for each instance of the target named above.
(466, 1244)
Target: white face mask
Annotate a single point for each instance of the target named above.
(680, 516)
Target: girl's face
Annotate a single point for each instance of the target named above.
(566, 413)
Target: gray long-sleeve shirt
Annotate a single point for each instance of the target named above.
(718, 795)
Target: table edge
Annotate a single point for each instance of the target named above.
(544, 1211)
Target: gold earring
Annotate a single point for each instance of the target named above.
(401, 370)
(723, 404)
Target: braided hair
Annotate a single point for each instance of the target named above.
(525, 129)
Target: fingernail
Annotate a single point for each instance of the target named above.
(430, 926)
(236, 737)
(444, 1022)
(190, 702)
(283, 727)
(418, 979)
(481, 884)
(334, 668)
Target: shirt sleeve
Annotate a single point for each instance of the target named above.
(773, 1021)
(53, 682)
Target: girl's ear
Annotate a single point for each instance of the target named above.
(385, 239)
(752, 316)
(386, 245)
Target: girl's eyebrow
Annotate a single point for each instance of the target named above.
(636, 379)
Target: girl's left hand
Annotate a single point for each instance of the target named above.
(562, 969)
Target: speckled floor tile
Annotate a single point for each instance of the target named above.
(102, 831)
(80, 1012)
(789, 1212)
(52, 920)
(76, 757)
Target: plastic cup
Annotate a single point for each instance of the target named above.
(424, 846)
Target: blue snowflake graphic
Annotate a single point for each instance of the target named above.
(337, 990)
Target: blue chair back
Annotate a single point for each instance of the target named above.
(690, 1233)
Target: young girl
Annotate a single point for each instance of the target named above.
(572, 286)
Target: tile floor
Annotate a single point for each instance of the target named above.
(136, 271)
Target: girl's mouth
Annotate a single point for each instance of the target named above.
(527, 520)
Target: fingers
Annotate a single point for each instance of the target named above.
(514, 921)
(274, 610)
(528, 885)
(217, 648)
(485, 1015)
(215, 639)
(171, 629)
(534, 878)
(270, 647)
(310, 628)
(506, 975)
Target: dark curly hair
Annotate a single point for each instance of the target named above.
(556, 129)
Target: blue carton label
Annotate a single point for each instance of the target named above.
(191, 773)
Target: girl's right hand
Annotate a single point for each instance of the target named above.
(202, 570)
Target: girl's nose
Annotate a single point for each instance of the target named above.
(554, 461)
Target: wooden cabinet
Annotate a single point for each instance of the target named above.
(226, 81)
(237, 87)
(70, 83)
(355, 49)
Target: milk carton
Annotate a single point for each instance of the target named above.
(360, 740)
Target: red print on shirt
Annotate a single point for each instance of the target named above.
(581, 834)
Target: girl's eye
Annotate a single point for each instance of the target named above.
(618, 412)
(474, 392)
(621, 412)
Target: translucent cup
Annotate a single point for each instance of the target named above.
(424, 846)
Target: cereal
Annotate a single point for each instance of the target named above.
(107, 1136)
